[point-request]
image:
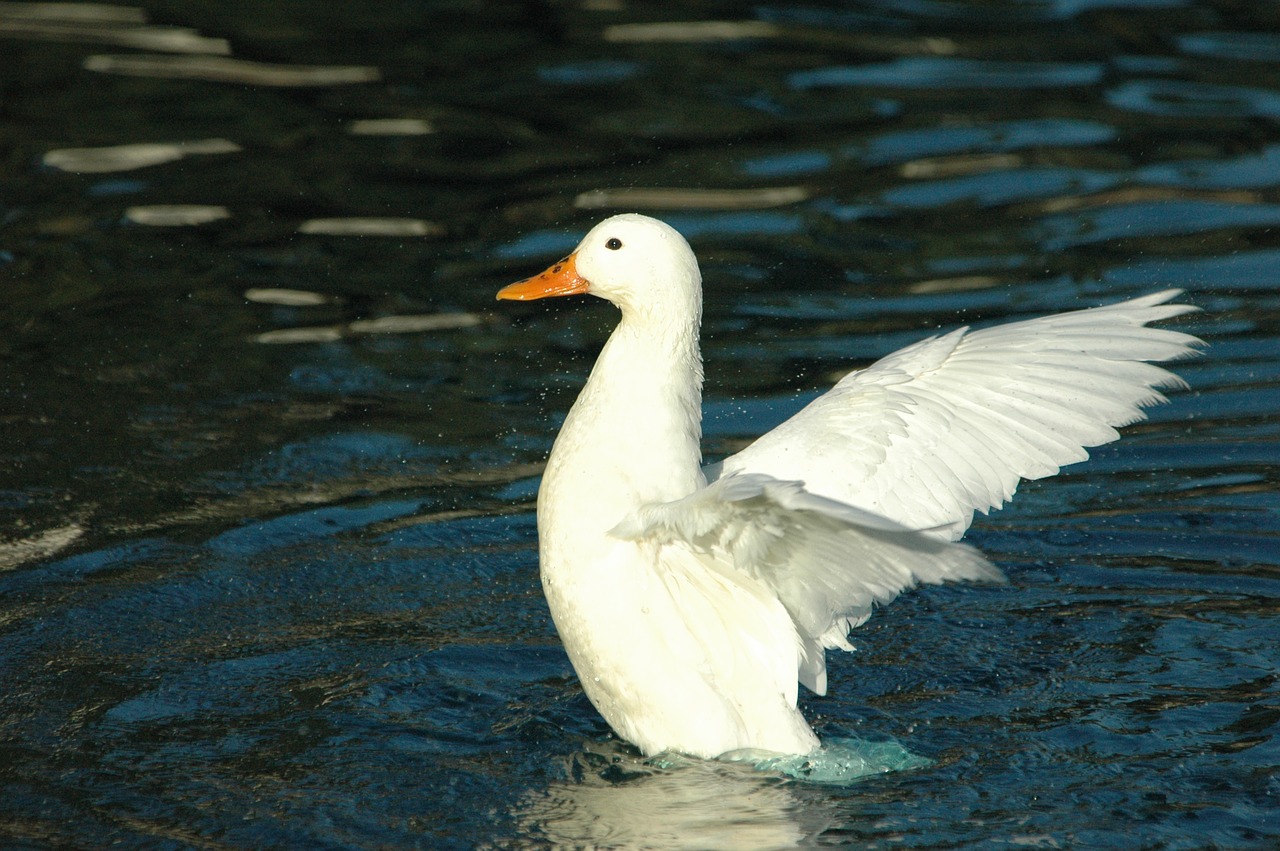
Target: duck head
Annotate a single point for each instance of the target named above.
(636, 262)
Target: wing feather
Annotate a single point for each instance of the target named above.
(827, 563)
(950, 425)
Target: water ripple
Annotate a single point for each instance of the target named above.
(999, 136)
(1000, 187)
(1245, 46)
(1241, 270)
(948, 73)
(1145, 219)
(1249, 171)
(1192, 99)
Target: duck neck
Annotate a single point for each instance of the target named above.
(634, 435)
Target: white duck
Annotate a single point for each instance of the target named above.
(692, 600)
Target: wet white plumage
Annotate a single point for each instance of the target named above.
(691, 602)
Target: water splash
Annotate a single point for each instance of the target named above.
(839, 762)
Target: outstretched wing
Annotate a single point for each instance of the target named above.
(828, 563)
(935, 431)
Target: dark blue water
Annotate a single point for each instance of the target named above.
(268, 569)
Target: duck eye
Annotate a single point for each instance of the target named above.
(613, 244)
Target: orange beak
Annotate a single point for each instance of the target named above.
(561, 279)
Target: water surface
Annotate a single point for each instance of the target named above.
(268, 569)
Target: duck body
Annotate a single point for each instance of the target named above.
(655, 630)
(692, 602)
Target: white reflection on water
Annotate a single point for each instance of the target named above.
(101, 24)
(366, 226)
(691, 31)
(170, 39)
(403, 324)
(286, 297)
(665, 198)
(175, 215)
(69, 13)
(132, 156)
(43, 544)
(222, 69)
(413, 324)
(699, 805)
(391, 127)
(747, 800)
